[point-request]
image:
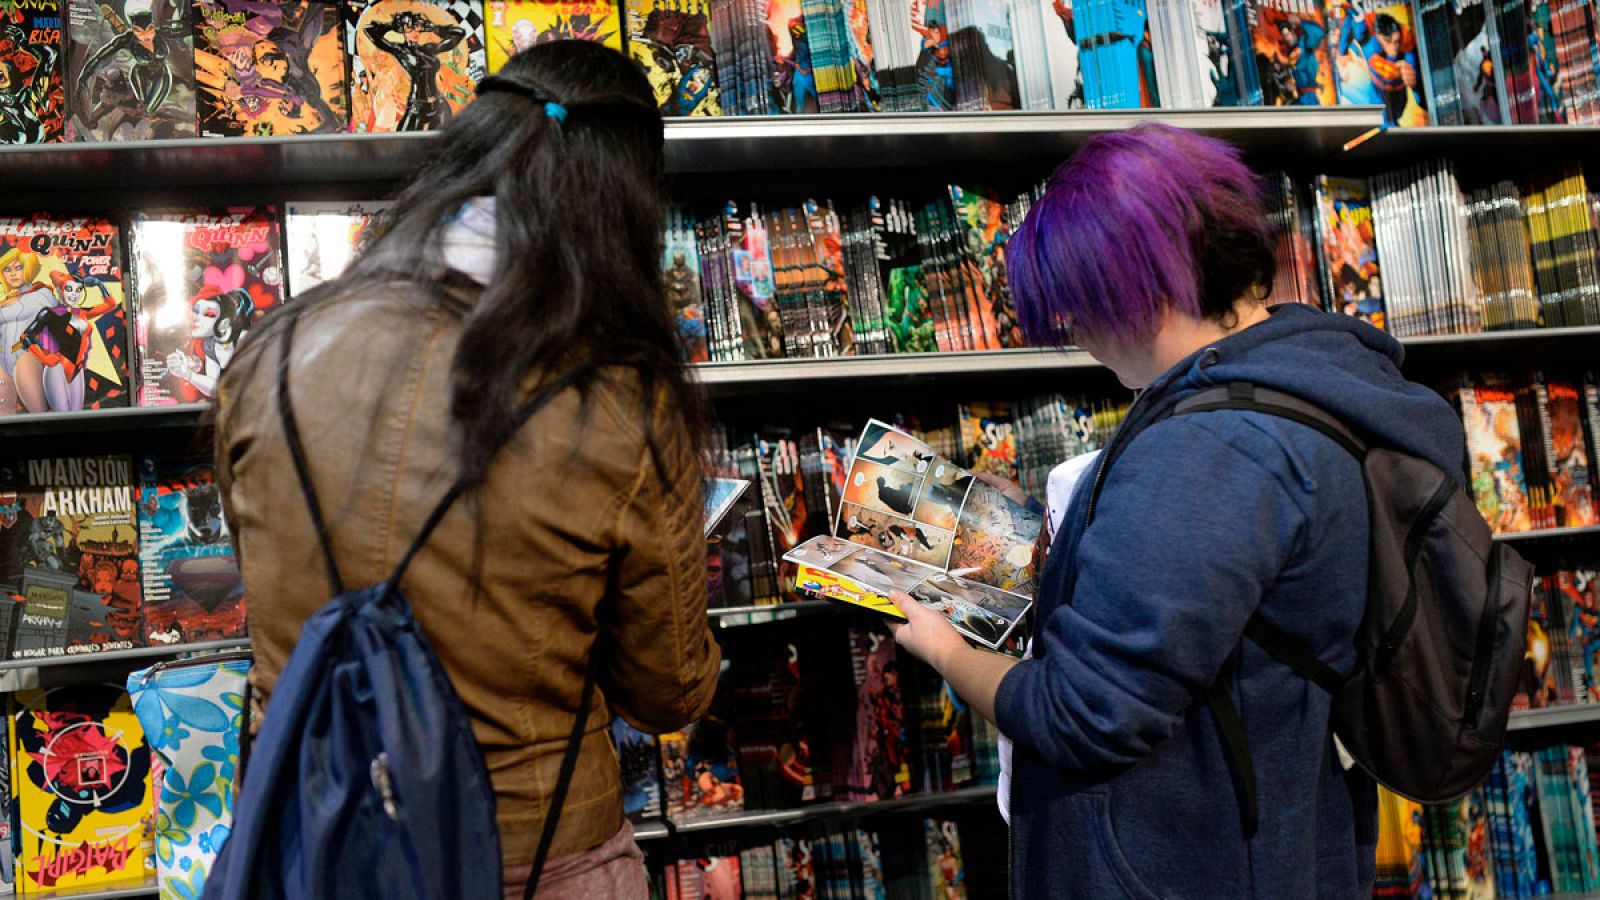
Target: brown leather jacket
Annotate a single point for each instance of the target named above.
(588, 546)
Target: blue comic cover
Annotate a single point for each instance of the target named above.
(192, 588)
(641, 778)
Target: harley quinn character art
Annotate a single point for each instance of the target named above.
(52, 351)
(221, 319)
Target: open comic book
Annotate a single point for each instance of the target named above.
(914, 521)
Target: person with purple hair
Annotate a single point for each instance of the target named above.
(1151, 251)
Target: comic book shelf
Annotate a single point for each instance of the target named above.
(709, 159)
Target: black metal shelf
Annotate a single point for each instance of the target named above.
(740, 616)
(1554, 717)
(22, 674)
(822, 812)
(1474, 144)
(700, 145)
(1548, 535)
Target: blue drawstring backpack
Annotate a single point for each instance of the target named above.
(365, 780)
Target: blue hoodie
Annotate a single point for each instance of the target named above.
(1121, 786)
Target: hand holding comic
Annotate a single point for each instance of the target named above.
(926, 633)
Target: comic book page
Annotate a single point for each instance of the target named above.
(323, 238)
(1349, 249)
(201, 281)
(513, 26)
(70, 534)
(413, 64)
(63, 316)
(33, 104)
(913, 521)
(193, 591)
(1494, 448)
(1374, 47)
(130, 70)
(269, 68)
(81, 773)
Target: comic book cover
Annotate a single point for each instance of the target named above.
(513, 26)
(705, 878)
(988, 438)
(985, 57)
(911, 44)
(1117, 65)
(1399, 853)
(797, 875)
(1374, 46)
(981, 228)
(872, 754)
(1479, 82)
(794, 73)
(71, 536)
(192, 588)
(1547, 82)
(81, 776)
(1571, 471)
(753, 277)
(908, 314)
(641, 778)
(672, 41)
(1581, 605)
(322, 238)
(947, 873)
(1537, 685)
(780, 701)
(1494, 449)
(130, 70)
(413, 63)
(1215, 49)
(269, 67)
(699, 772)
(33, 104)
(1349, 248)
(201, 279)
(64, 320)
(680, 267)
(1290, 39)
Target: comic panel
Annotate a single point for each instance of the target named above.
(885, 446)
(876, 569)
(893, 534)
(882, 488)
(994, 541)
(943, 491)
(965, 608)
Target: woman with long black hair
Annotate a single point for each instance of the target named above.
(528, 247)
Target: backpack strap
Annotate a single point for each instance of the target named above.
(558, 797)
(1248, 397)
(297, 451)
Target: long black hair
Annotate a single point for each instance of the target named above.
(578, 233)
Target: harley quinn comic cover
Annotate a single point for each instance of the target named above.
(63, 316)
(201, 280)
(192, 588)
(81, 777)
(32, 98)
(414, 64)
(269, 68)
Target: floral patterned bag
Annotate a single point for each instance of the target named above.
(192, 712)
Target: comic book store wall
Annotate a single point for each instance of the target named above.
(845, 176)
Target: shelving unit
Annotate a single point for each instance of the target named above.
(25, 674)
(1554, 717)
(917, 804)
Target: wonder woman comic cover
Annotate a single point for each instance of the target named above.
(64, 322)
(269, 68)
(201, 279)
(130, 70)
(413, 64)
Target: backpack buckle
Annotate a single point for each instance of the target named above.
(385, 786)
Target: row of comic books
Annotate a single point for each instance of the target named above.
(1531, 447)
(808, 281)
(98, 555)
(816, 713)
(848, 864)
(1563, 641)
(1528, 831)
(83, 327)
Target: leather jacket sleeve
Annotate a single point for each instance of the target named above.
(661, 660)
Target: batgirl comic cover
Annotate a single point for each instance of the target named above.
(81, 777)
(63, 318)
(192, 588)
(32, 97)
(515, 25)
(70, 560)
(269, 68)
(413, 64)
(201, 280)
(130, 70)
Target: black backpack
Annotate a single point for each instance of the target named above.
(1443, 637)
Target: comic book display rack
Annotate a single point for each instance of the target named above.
(708, 159)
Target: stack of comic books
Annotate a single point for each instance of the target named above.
(1540, 825)
(1348, 248)
(982, 54)
(1292, 220)
(1117, 72)
(512, 26)
(192, 588)
(1047, 55)
(830, 864)
(912, 520)
(1502, 260)
(1424, 243)
(671, 41)
(129, 70)
(1373, 44)
(322, 238)
(274, 68)
(1461, 47)
(1563, 641)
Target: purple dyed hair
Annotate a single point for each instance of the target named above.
(1137, 221)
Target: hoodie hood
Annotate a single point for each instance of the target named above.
(1341, 365)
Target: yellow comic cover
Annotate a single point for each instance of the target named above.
(81, 779)
(513, 26)
(825, 585)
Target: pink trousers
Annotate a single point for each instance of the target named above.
(615, 869)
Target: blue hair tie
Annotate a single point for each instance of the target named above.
(556, 111)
